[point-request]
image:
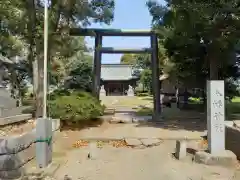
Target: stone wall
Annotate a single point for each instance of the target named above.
(233, 140)
(16, 151)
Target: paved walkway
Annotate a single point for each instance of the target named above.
(138, 164)
(119, 131)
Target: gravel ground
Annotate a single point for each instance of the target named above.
(154, 163)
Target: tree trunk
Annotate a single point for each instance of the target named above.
(214, 68)
(35, 82)
(39, 90)
(32, 48)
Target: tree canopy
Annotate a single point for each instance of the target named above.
(21, 33)
(200, 38)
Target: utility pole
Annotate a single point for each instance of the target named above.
(44, 124)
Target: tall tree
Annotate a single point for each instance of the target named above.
(208, 28)
(128, 59)
(62, 16)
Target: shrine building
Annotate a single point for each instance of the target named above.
(116, 79)
(121, 80)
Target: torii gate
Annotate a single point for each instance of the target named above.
(99, 50)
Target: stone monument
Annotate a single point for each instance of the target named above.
(216, 155)
(5, 97)
(216, 116)
(102, 91)
(130, 91)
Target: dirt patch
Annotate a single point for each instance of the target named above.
(17, 128)
(140, 164)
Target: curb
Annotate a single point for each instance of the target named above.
(123, 138)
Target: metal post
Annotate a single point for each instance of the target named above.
(44, 125)
(97, 65)
(45, 59)
(155, 77)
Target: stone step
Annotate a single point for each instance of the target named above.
(14, 119)
(13, 111)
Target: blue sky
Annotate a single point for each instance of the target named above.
(129, 14)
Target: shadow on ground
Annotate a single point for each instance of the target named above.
(186, 119)
(173, 118)
(189, 125)
(80, 125)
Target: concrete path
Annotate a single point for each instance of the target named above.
(153, 163)
(119, 131)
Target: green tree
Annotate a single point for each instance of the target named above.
(71, 55)
(146, 79)
(25, 19)
(80, 78)
(128, 59)
(19, 77)
(199, 31)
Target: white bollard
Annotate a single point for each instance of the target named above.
(92, 154)
(181, 149)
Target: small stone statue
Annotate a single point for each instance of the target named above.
(102, 91)
(130, 91)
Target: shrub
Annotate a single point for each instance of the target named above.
(59, 92)
(77, 106)
(28, 101)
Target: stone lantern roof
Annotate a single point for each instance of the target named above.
(5, 60)
(163, 77)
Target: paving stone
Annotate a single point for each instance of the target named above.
(150, 142)
(122, 118)
(133, 142)
(141, 119)
(109, 111)
(225, 158)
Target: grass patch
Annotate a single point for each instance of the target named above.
(144, 112)
(233, 108)
(194, 100)
(236, 100)
(148, 98)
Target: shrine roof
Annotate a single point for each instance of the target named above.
(114, 72)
